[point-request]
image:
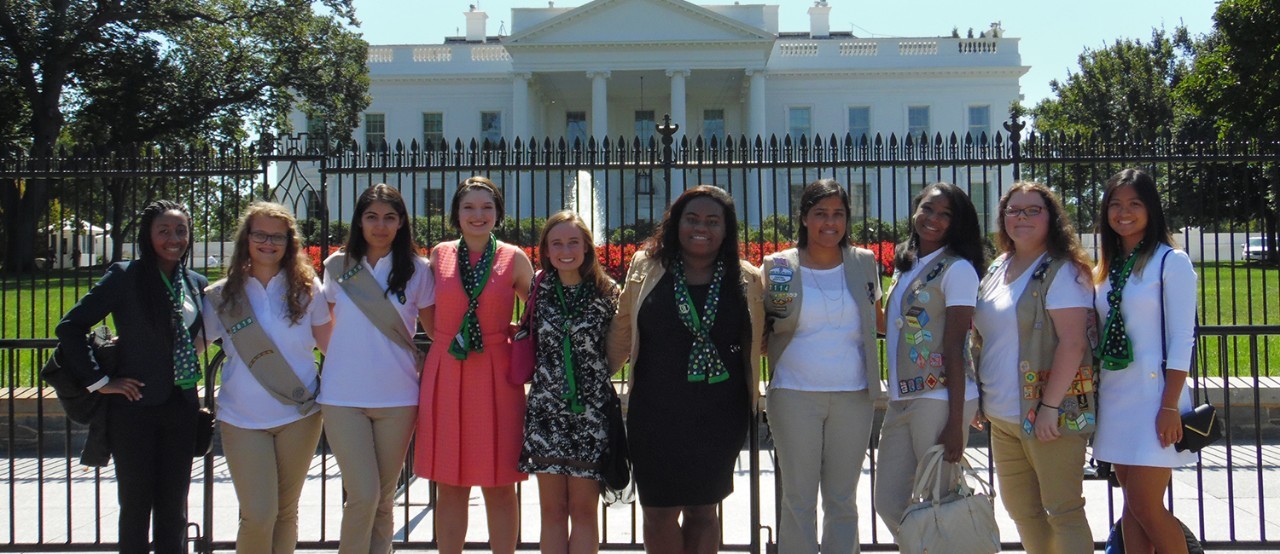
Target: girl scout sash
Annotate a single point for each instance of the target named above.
(374, 303)
(260, 355)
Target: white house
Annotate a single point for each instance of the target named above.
(615, 67)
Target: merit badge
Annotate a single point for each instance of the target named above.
(781, 274)
(924, 296)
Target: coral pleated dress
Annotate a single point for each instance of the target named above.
(470, 420)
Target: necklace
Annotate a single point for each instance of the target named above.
(830, 301)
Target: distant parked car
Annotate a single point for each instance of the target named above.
(1255, 250)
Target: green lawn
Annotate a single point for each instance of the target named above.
(1230, 294)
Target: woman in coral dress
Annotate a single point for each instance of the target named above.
(470, 419)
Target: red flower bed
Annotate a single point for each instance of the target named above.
(617, 257)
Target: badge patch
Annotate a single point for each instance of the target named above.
(781, 274)
(917, 317)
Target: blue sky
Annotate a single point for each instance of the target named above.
(1053, 33)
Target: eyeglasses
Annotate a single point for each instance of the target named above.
(260, 237)
(1029, 211)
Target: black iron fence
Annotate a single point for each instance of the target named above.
(1220, 195)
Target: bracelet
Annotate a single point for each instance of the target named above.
(1043, 405)
(1174, 410)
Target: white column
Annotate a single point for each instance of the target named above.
(599, 103)
(520, 106)
(678, 107)
(756, 108)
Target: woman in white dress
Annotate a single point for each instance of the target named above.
(1140, 406)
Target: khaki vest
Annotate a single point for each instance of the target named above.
(782, 301)
(1037, 343)
(920, 319)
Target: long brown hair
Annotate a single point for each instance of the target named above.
(1061, 240)
(297, 268)
(590, 270)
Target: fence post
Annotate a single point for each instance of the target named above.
(1015, 127)
(668, 130)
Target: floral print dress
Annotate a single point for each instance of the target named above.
(556, 439)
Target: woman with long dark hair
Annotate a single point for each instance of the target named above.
(566, 426)
(268, 416)
(1140, 406)
(377, 287)
(932, 393)
(151, 412)
(1035, 368)
(690, 322)
(822, 304)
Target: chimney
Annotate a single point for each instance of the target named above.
(475, 24)
(820, 20)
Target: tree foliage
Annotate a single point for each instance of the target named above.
(133, 72)
(1234, 77)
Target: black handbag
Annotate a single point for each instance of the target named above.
(205, 422)
(615, 465)
(1200, 426)
(1115, 540)
(79, 404)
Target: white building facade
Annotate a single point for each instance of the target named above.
(615, 67)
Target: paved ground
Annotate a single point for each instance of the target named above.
(1234, 505)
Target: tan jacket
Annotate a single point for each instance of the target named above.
(784, 299)
(644, 274)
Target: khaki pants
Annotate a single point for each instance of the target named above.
(268, 468)
(369, 444)
(1041, 484)
(910, 428)
(821, 439)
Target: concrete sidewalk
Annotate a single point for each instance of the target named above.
(1233, 503)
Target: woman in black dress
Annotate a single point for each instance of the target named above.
(690, 321)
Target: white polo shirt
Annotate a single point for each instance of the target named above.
(364, 368)
(242, 400)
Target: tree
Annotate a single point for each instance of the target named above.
(1233, 83)
(133, 72)
(1122, 92)
(1233, 79)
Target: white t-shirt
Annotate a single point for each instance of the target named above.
(959, 287)
(995, 318)
(826, 352)
(242, 401)
(364, 368)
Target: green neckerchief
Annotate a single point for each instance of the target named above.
(1114, 350)
(704, 361)
(570, 310)
(474, 278)
(186, 365)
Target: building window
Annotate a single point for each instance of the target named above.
(575, 128)
(491, 127)
(432, 128)
(799, 122)
(644, 183)
(433, 200)
(645, 127)
(917, 121)
(713, 125)
(315, 208)
(375, 132)
(979, 121)
(978, 194)
(860, 123)
(315, 133)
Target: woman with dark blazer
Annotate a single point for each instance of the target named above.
(151, 410)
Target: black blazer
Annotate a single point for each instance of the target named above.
(145, 347)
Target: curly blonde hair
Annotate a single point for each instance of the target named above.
(297, 268)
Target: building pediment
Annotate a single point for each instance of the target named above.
(635, 22)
